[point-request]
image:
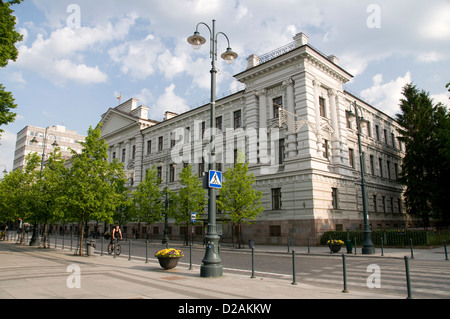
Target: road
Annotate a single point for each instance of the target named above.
(429, 278)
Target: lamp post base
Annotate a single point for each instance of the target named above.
(212, 264)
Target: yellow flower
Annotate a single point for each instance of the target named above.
(169, 252)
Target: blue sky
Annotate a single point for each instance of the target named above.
(78, 56)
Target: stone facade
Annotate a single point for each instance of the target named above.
(292, 122)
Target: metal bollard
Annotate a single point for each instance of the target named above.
(56, 240)
(288, 244)
(309, 249)
(355, 245)
(63, 243)
(294, 282)
(101, 246)
(129, 248)
(253, 262)
(146, 251)
(408, 281)
(344, 271)
(445, 250)
(411, 246)
(190, 256)
(382, 253)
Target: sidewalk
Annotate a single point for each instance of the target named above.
(36, 273)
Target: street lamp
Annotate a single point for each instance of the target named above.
(34, 238)
(368, 247)
(212, 264)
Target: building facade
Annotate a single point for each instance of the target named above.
(65, 139)
(292, 121)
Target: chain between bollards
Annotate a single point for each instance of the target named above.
(344, 272)
(294, 282)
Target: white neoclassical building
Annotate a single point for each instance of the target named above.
(292, 122)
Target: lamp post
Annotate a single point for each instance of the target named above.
(212, 264)
(34, 238)
(368, 247)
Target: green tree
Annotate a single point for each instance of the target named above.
(425, 167)
(147, 199)
(89, 192)
(190, 198)
(47, 191)
(8, 51)
(18, 192)
(238, 197)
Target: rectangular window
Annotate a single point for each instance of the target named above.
(395, 171)
(334, 197)
(159, 172)
(275, 230)
(372, 165)
(203, 128)
(388, 164)
(377, 132)
(187, 134)
(380, 163)
(123, 155)
(149, 147)
(277, 104)
(172, 173)
(383, 203)
(133, 152)
(399, 203)
(160, 143)
(326, 149)
(237, 119)
(351, 157)
(276, 198)
(281, 151)
(385, 136)
(218, 124)
(201, 167)
(375, 203)
(322, 107)
(393, 140)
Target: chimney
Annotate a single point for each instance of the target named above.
(300, 39)
(168, 115)
(252, 61)
(333, 59)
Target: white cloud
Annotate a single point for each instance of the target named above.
(60, 57)
(7, 147)
(168, 101)
(386, 96)
(436, 24)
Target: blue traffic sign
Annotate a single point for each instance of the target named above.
(193, 217)
(215, 179)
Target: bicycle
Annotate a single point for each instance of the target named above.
(111, 249)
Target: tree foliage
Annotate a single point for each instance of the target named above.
(8, 51)
(238, 197)
(426, 165)
(147, 199)
(89, 192)
(190, 198)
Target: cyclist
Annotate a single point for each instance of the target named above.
(116, 233)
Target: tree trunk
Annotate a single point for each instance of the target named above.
(45, 235)
(81, 237)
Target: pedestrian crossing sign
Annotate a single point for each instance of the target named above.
(215, 179)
